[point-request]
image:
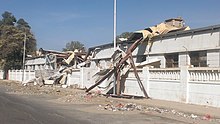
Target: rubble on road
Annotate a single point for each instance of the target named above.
(122, 107)
(115, 106)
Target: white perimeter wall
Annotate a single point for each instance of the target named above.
(204, 93)
(188, 85)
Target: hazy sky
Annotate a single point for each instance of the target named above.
(56, 22)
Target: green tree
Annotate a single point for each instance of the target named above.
(11, 45)
(71, 46)
(8, 19)
(22, 24)
(124, 35)
(12, 40)
(30, 39)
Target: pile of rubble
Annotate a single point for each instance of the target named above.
(145, 109)
(122, 107)
(57, 67)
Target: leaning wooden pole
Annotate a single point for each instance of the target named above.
(138, 78)
(118, 80)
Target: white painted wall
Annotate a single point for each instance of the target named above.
(206, 40)
(196, 86)
(104, 53)
(131, 84)
(213, 58)
(1, 74)
(197, 42)
(18, 74)
(165, 89)
(188, 85)
(204, 93)
(73, 78)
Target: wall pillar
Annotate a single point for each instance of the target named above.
(184, 84)
(83, 77)
(162, 61)
(184, 59)
(69, 81)
(146, 77)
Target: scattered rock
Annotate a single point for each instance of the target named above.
(122, 107)
(64, 86)
(193, 116)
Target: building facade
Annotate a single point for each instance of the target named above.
(195, 48)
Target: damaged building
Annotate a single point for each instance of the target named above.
(53, 60)
(168, 46)
(168, 61)
(195, 48)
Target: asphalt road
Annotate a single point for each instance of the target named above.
(15, 109)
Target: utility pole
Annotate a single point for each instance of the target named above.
(115, 45)
(24, 56)
(115, 21)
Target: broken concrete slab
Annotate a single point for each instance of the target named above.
(48, 82)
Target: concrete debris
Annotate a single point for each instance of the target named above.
(181, 114)
(64, 86)
(134, 107)
(158, 110)
(57, 66)
(39, 81)
(194, 116)
(35, 81)
(122, 107)
(58, 78)
(48, 82)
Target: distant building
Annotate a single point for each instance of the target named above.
(53, 60)
(46, 59)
